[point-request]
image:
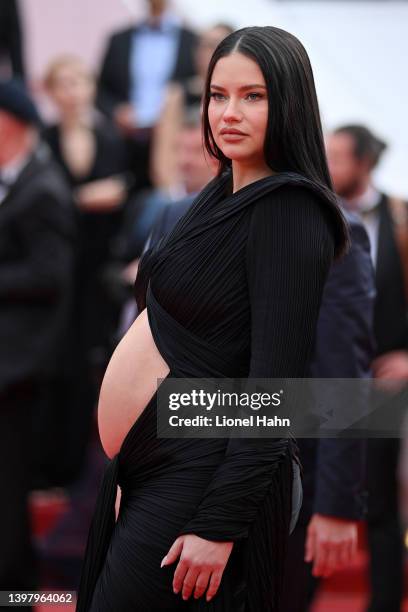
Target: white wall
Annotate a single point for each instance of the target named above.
(359, 52)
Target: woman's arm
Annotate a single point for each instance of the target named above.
(289, 252)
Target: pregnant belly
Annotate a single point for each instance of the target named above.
(129, 383)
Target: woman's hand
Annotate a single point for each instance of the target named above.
(125, 118)
(102, 195)
(201, 565)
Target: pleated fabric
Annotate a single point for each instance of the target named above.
(233, 291)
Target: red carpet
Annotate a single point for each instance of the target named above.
(346, 591)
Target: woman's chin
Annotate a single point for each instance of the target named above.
(242, 157)
(236, 154)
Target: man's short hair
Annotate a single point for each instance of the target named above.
(366, 144)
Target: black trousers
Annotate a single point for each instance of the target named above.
(385, 534)
(17, 563)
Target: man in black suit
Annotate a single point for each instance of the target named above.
(138, 64)
(353, 153)
(11, 46)
(35, 279)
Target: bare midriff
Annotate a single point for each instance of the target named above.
(129, 383)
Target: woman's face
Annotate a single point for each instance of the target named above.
(238, 109)
(72, 89)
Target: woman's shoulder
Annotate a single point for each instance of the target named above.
(306, 207)
(294, 192)
(289, 201)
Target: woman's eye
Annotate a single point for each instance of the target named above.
(216, 96)
(253, 96)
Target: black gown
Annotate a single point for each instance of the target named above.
(232, 291)
(94, 314)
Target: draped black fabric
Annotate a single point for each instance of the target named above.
(233, 291)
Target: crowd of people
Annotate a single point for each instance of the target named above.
(81, 200)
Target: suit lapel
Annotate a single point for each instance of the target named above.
(179, 69)
(126, 54)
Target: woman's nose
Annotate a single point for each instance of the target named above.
(232, 111)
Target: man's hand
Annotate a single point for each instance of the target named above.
(331, 543)
(201, 565)
(391, 365)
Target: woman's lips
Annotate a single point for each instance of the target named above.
(232, 136)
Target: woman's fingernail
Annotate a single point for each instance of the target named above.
(163, 561)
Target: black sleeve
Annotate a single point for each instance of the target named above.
(289, 252)
(45, 232)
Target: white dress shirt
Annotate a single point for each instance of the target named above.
(152, 61)
(366, 207)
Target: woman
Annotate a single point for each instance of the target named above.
(233, 291)
(85, 144)
(93, 157)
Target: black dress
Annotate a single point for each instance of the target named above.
(95, 315)
(233, 291)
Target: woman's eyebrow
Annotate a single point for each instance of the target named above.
(243, 88)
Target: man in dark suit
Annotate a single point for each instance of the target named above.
(334, 469)
(11, 46)
(138, 64)
(35, 280)
(353, 153)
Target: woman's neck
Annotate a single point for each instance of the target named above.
(246, 174)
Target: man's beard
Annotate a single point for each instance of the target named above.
(350, 190)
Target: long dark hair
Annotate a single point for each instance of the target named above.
(294, 138)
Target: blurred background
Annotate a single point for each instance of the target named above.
(358, 51)
(115, 160)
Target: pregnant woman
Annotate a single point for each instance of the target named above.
(232, 291)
